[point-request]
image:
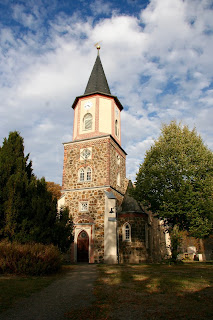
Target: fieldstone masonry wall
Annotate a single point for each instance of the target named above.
(103, 162)
(133, 251)
(117, 166)
(105, 165)
(98, 163)
(96, 208)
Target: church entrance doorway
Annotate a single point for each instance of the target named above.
(83, 247)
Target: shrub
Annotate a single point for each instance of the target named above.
(29, 259)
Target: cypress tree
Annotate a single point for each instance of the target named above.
(28, 210)
(15, 175)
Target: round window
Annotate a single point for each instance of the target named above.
(83, 234)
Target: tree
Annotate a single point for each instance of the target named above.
(176, 180)
(54, 188)
(15, 175)
(62, 232)
(28, 210)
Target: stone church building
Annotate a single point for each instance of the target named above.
(109, 225)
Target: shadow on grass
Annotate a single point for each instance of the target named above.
(151, 292)
(15, 287)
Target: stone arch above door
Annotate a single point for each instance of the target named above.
(85, 218)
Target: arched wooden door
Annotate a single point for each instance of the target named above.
(83, 247)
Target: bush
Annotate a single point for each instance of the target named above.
(29, 259)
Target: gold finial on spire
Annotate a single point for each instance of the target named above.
(97, 45)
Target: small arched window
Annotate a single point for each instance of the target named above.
(116, 127)
(126, 232)
(89, 174)
(85, 174)
(87, 121)
(81, 174)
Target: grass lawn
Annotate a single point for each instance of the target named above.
(14, 287)
(152, 292)
(132, 292)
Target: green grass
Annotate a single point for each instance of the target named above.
(152, 292)
(132, 291)
(14, 287)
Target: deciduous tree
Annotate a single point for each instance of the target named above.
(54, 188)
(176, 180)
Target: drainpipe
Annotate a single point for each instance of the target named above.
(117, 236)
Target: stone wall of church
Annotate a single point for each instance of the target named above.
(98, 163)
(103, 162)
(133, 251)
(105, 165)
(117, 166)
(94, 214)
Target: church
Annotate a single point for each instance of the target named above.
(109, 225)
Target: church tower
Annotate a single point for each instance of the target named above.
(94, 172)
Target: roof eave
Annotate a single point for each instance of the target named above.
(100, 93)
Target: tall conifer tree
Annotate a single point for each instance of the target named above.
(15, 175)
(28, 210)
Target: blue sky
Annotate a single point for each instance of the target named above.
(157, 56)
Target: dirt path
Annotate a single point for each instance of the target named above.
(73, 291)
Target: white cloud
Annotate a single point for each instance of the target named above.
(101, 7)
(26, 19)
(135, 156)
(159, 65)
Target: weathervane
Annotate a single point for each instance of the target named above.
(97, 45)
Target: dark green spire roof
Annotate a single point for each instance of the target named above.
(97, 81)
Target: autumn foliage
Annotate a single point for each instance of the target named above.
(29, 259)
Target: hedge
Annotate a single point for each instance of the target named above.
(29, 259)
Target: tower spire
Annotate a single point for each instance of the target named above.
(97, 81)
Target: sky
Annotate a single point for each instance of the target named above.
(157, 57)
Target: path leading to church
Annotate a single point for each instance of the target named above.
(73, 291)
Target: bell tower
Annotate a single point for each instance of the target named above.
(97, 112)
(94, 172)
